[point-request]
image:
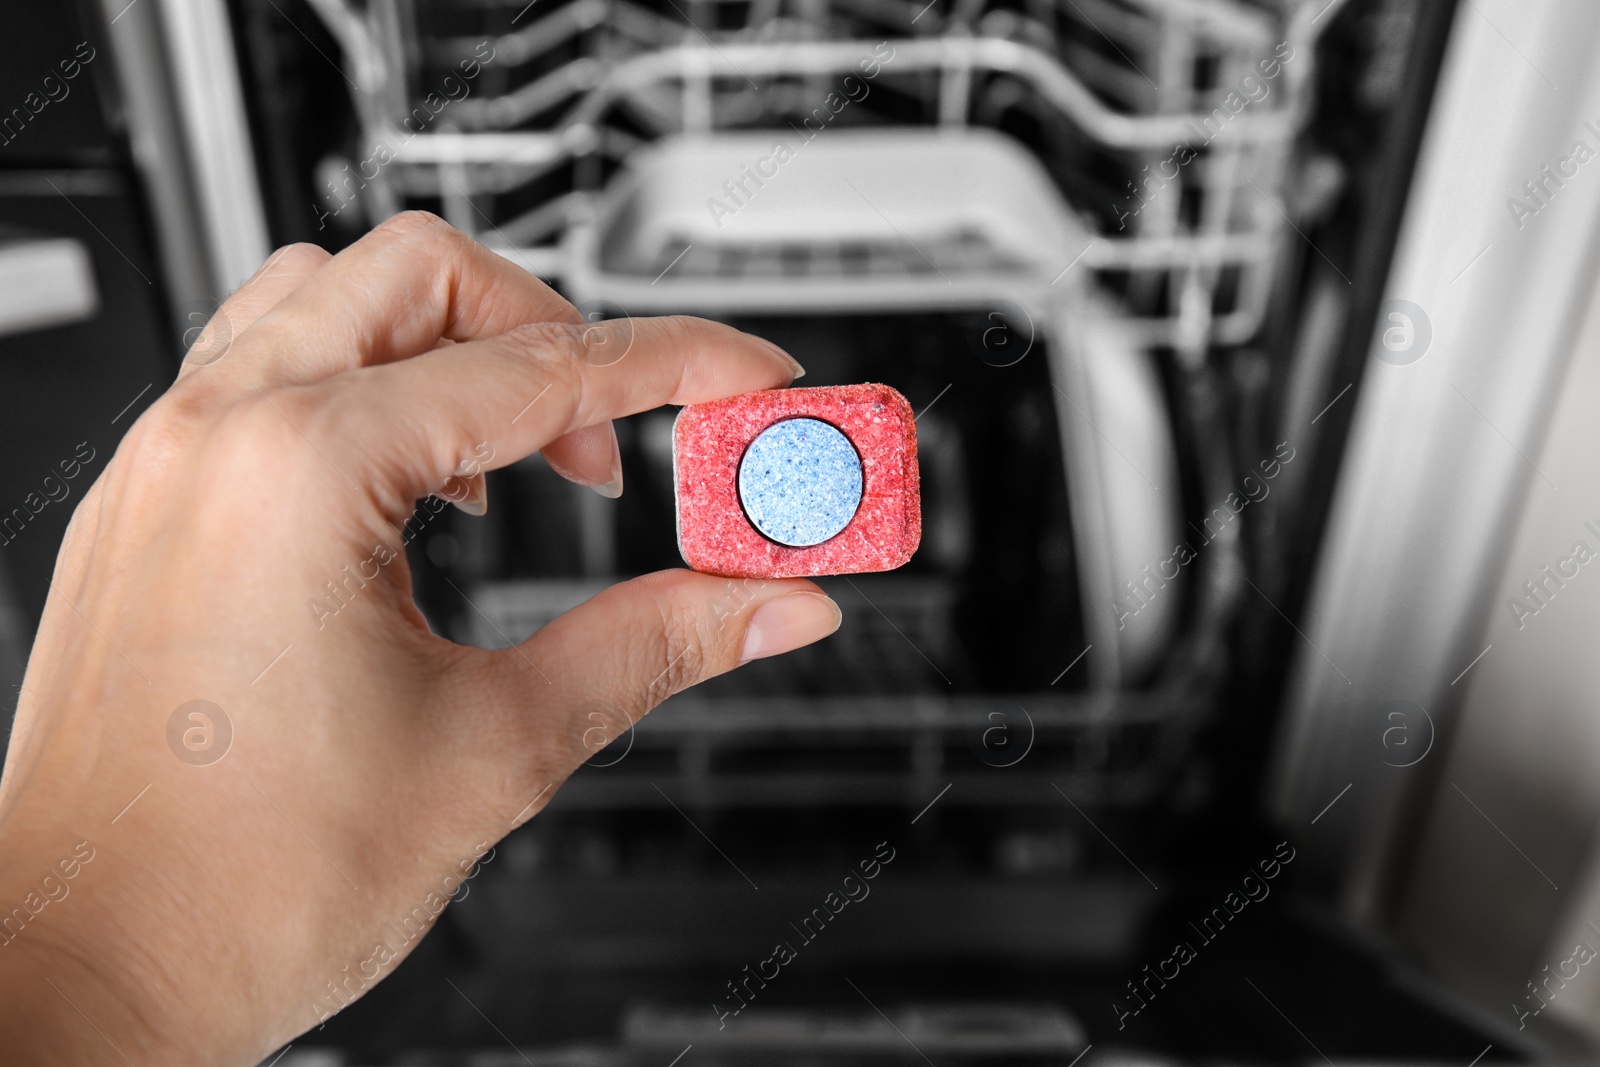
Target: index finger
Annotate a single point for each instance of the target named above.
(495, 401)
(411, 282)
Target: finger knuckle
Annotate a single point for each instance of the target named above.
(283, 425)
(684, 651)
(549, 353)
(571, 345)
(162, 447)
(300, 256)
(416, 224)
(190, 402)
(292, 413)
(164, 431)
(549, 342)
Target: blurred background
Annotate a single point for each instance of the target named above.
(1254, 353)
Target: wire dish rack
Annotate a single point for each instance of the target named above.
(866, 719)
(1169, 123)
(1107, 179)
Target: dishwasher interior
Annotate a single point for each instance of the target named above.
(1089, 241)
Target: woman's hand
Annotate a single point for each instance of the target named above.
(162, 906)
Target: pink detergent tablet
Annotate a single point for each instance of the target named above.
(788, 482)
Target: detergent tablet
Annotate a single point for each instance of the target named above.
(788, 482)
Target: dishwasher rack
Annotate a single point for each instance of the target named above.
(1182, 139)
(1108, 179)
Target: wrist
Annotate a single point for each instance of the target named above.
(68, 991)
(56, 1008)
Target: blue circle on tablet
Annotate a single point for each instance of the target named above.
(800, 482)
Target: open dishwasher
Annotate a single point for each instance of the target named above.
(1097, 244)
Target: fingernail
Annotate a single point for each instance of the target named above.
(794, 364)
(475, 500)
(790, 621)
(612, 489)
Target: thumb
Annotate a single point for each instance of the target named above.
(622, 652)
